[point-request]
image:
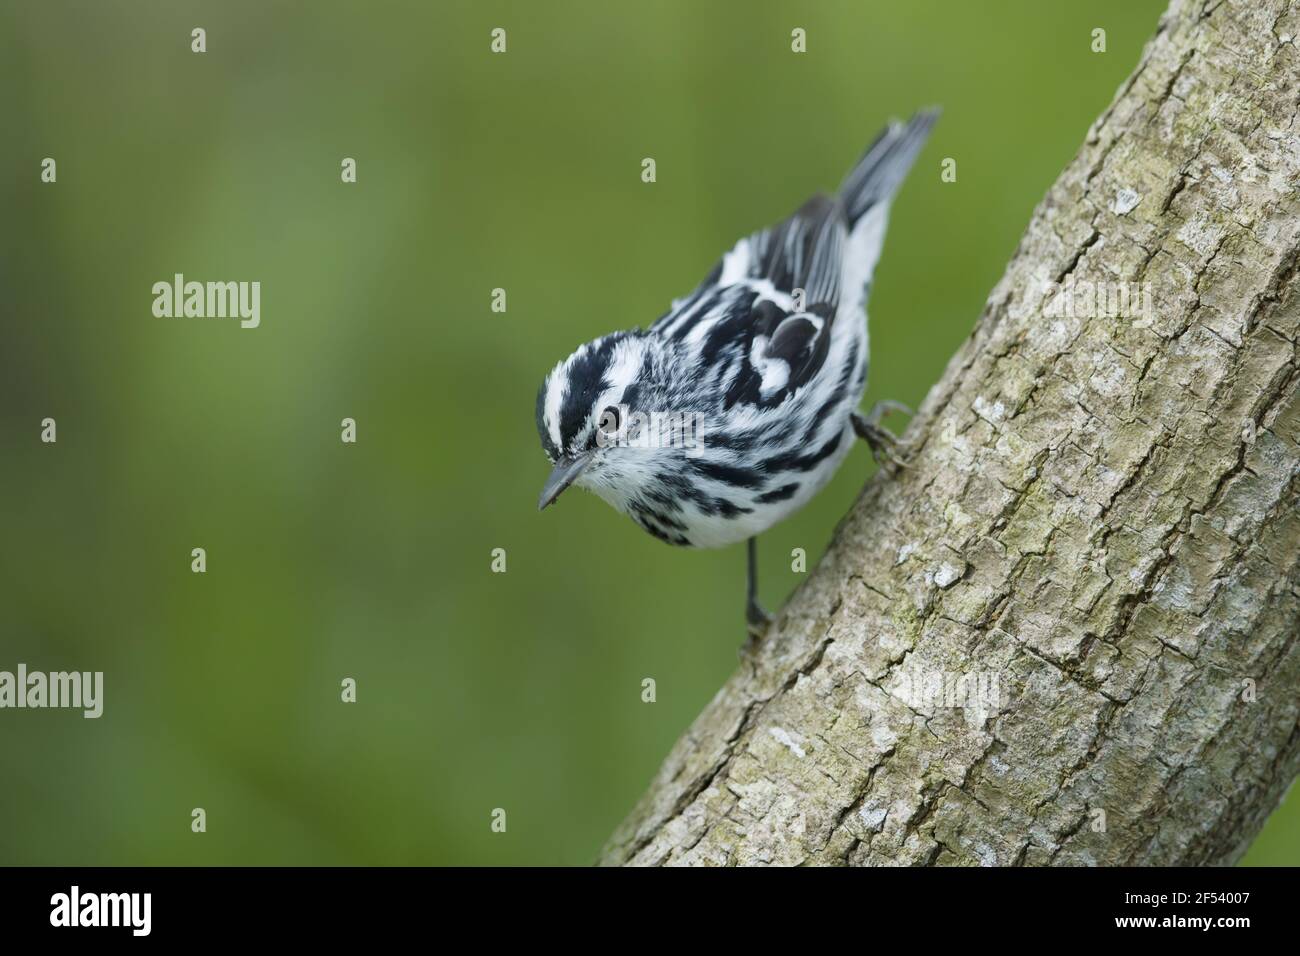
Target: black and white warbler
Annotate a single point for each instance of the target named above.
(758, 374)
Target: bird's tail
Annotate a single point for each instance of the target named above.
(883, 167)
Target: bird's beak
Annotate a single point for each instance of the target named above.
(564, 473)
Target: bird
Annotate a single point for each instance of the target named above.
(758, 373)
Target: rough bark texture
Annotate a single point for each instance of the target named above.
(1102, 516)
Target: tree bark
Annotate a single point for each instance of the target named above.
(1099, 533)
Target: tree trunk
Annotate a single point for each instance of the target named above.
(1066, 633)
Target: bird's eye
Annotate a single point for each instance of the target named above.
(611, 420)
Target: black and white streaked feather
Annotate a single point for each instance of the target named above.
(770, 351)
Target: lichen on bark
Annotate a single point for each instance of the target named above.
(1101, 520)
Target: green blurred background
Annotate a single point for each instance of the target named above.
(475, 690)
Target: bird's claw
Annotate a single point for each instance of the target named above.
(884, 445)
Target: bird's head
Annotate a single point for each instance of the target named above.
(595, 413)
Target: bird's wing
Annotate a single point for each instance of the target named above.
(764, 312)
(761, 319)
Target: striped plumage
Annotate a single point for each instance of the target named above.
(773, 384)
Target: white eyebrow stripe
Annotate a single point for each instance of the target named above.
(554, 398)
(623, 370)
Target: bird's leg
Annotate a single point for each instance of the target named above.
(756, 619)
(883, 442)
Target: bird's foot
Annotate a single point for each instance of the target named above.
(885, 446)
(757, 623)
